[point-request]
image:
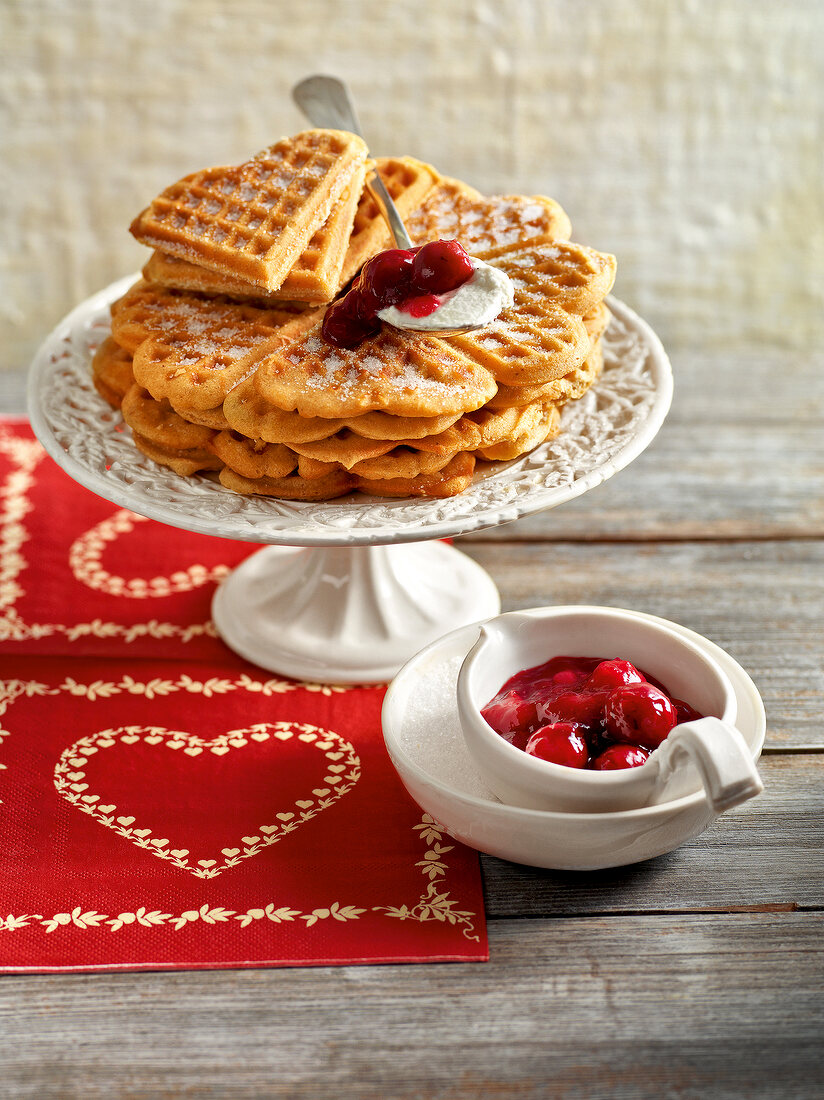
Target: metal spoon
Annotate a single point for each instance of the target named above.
(326, 102)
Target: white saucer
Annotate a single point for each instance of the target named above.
(424, 740)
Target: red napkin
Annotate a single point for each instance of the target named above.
(165, 804)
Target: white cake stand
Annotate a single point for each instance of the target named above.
(346, 590)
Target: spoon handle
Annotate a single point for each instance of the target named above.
(326, 102)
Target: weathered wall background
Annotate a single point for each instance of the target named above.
(684, 135)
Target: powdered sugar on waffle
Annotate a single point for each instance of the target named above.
(204, 330)
(481, 224)
(346, 373)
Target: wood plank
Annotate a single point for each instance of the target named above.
(762, 602)
(626, 1007)
(766, 853)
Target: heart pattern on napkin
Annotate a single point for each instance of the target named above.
(341, 771)
(86, 554)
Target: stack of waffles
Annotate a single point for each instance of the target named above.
(218, 362)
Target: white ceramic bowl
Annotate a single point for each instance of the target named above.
(424, 741)
(709, 752)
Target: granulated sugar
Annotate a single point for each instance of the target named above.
(431, 731)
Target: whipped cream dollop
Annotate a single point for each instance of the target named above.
(478, 301)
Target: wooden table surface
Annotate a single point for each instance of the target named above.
(697, 974)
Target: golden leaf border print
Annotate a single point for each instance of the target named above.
(435, 903)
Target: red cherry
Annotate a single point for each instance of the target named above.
(343, 327)
(617, 757)
(568, 676)
(385, 279)
(581, 708)
(511, 713)
(612, 674)
(441, 266)
(559, 743)
(421, 305)
(684, 712)
(639, 714)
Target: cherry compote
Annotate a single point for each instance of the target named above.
(411, 279)
(441, 266)
(561, 743)
(585, 712)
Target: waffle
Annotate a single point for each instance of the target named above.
(180, 316)
(112, 372)
(253, 458)
(252, 221)
(454, 478)
(572, 386)
(454, 210)
(277, 426)
(162, 269)
(544, 427)
(311, 468)
(570, 275)
(316, 276)
(482, 428)
(182, 462)
(401, 463)
(188, 348)
(528, 349)
(160, 424)
(344, 448)
(408, 182)
(596, 321)
(292, 487)
(401, 375)
(208, 418)
(542, 337)
(165, 437)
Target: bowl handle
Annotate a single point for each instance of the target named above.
(722, 757)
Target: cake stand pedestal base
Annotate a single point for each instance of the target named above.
(348, 615)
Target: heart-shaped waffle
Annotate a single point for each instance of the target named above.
(158, 422)
(454, 210)
(398, 374)
(560, 272)
(542, 337)
(165, 437)
(558, 392)
(184, 461)
(316, 275)
(252, 221)
(273, 425)
(527, 349)
(188, 348)
(179, 316)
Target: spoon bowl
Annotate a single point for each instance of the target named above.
(438, 331)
